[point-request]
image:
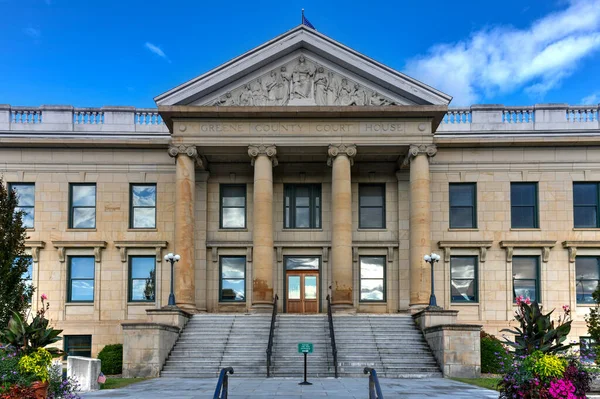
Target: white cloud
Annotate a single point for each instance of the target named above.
(592, 99)
(156, 50)
(32, 32)
(503, 59)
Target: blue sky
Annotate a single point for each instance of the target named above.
(95, 53)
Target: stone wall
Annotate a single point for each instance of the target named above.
(146, 347)
(456, 348)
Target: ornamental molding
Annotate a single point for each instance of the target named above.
(191, 151)
(123, 246)
(481, 245)
(334, 150)
(35, 246)
(256, 150)
(61, 246)
(418, 149)
(544, 245)
(573, 245)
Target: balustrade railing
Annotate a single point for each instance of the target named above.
(26, 115)
(517, 115)
(271, 335)
(458, 116)
(147, 118)
(88, 117)
(582, 114)
(332, 336)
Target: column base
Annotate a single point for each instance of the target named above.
(187, 307)
(261, 308)
(343, 308)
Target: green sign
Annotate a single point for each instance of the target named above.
(305, 347)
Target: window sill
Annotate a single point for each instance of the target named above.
(525, 229)
(585, 305)
(141, 230)
(79, 304)
(586, 228)
(295, 230)
(240, 303)
(464, 303)
(28, 229)
(141, 303)
(378, 229)
(81, 230)
(232, 230)
(380, 303)
(465, 229)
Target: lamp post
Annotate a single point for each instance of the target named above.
(172, 259)
(432, 259)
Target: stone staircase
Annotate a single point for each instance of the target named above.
(210, 342)
(292, 329)
(391, 344)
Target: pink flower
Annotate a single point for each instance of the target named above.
(519, 299)
(566, 308)
(528, 301)
(44, 297)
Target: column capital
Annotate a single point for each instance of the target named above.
(341, 149)
(417, 149)
(191, 151)
(255, 150)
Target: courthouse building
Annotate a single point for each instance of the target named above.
(303, 168)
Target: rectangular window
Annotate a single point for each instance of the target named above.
(142, 214)
(302, 206)
(82, 205)
(78, 345)
(587, 272)
(371, 206)
(233, 279)
(524, 205)
(81, 279)
(372, 279)
(526, 277)
(142, 278)
(26, 202)
(463, 205)
(585, 205)
(463, 279)
(233, 206)
(27, 276)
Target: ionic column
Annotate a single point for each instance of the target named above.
(263, 160)
(341, 160)
(420, 223)
(186, 157)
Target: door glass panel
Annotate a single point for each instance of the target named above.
(293, 287)
(310, 287)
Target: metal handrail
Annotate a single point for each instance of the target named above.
(271, 335)
(374, 387)
(332, 336)
(223, 384)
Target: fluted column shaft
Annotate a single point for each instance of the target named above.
(263, 159)
(341, 231)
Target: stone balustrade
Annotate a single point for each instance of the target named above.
(540, 117)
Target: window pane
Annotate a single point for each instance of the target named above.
(302, 263)
(522, 194)
(293, 287)
(587, 268)
(83, 195)
(371, 290)
(525, 288)
(84, 218)
(144, 195)
(28, 216)
(462, 267)
(522, 217)
(585, 289)
(82, 267)
(302, 218)
(524, 268)
(462, 194)
(463, 291)
(233, 267)
(310, 287)
(371, 195)
(234, 218)
(144, 218)
(232, 290)
(141, 267)
(585, 193)
(82, 290)
(585, 216)
(142, 290)
(25, 194)
(461, 218)
(371, 266)
(302, 196)
(371, 218)
(78, 345)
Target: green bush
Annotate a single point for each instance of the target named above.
(112, 359)
(494, 356)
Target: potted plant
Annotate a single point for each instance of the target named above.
(37, 366)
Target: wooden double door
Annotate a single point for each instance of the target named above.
(302, 291)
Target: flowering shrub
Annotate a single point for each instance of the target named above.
(544, 366)
(36, 364)
(62, 388)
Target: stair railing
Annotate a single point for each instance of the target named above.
(223, 384)
(271, 335)
(332, 336)
(374, 387)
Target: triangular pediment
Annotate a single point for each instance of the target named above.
(302, 67)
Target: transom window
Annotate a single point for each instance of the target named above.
(142, 278)
(233, 206)
(463, 278)
(587, 272)
(371, 206)
(524, 205)
(25, 202)
(372, 279)
(81, 279)
(233, 279)
(82, 203)
(585, 205)
(526, 277)
(302, 206)
(142, 214)
(463, 205)
(78, 345)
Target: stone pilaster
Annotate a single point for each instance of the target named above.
(186, 157)
(263, 159)
(341, 160)
(420, 222)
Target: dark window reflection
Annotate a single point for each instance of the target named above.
(587, 274)
(371, 203)
(372, 278)
(78, 345)
(526, 277)
(463, 205)
(463, 278)
(233, 206)
(585, 205)
(523, 200)
(302, 206)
